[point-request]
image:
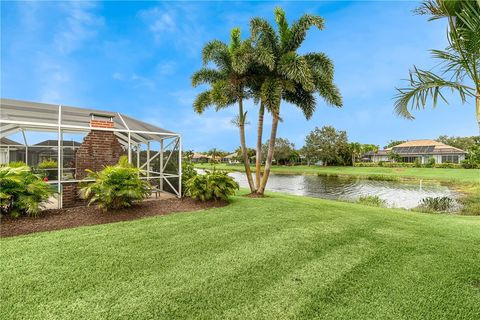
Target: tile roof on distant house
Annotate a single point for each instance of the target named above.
(420, 147)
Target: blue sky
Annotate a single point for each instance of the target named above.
(137, 58)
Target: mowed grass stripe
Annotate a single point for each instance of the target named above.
(279, 257)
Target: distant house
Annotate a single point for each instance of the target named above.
(200, 157)
(46, 150)
(231, 158)
(8, 150)
(423, 150)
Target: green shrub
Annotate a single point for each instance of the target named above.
(417, 163)
(188, 172)
(115, 187)
(48, 164)
(381, 177)
(16, 164)
(430, 162)
(399, 165)
(22, 192)
(213, 185)
(374, 201)
(468, 164)
(368, 164)
(436, 204)
(447, 165)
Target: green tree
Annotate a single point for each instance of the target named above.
(463, 143)
(393, 143)
(459, 64)
(356, 151)
(394, 156)
(250, 153)
(228, 83)
(284, 151)
(327, 144)
(290, 77)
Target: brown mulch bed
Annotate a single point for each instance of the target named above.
(57, 219)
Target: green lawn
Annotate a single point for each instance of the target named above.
(452, 175)
(274, 258)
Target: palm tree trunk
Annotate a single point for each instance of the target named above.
(271, 147)
(243, 145)
(477, 102)
(258, 158)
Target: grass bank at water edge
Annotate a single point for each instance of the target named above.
(439, 174)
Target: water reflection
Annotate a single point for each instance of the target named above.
(396, 194)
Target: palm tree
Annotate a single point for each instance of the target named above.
(459, 67)
(292, 77)
(228, 83)
(356, 150)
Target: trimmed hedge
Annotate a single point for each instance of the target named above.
(416, 165)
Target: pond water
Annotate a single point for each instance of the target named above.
(398, 194)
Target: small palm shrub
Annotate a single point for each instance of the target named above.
(436, 204)
(374, 201)
(47, 168)
(188, 172)
(430, 162)
(48, 164)
(22, 192)
(115, 187)
(215, 185)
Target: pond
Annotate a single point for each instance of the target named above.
(397, 194)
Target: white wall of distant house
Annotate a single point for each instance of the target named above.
(438, 158)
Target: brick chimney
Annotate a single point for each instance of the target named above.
(101, 121)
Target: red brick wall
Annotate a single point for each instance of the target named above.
(99, 149)
(101, 124)
(70, 197)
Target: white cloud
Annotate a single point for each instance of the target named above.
(79, 26)
(177, 24)
(118, 76)
(166, 68)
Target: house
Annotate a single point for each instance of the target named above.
(200, 158)
(107, 136)
(423, 150)
(231, 158)
(9, 150)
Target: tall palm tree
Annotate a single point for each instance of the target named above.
(228, 83)
(459, 67)
(292, 78)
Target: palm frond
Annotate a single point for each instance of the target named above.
(329, 92)
(282, 25)
(425, 85)
(299, 29)
(202, 101)
(263, 35)
(271, 93)
(206, 76)
(217, 52)
(296, 68)
(304, 100)
(320, 63)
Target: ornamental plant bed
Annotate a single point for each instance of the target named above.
(57, 219)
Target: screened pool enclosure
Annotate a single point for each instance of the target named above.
(61, 142)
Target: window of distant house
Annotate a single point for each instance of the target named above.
(409, 159)
(452, 159)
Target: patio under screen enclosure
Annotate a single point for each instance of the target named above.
(61, 142)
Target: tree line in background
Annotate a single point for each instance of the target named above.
(328, 146)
